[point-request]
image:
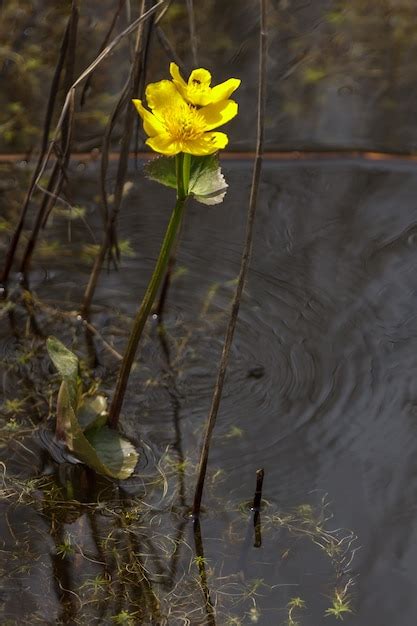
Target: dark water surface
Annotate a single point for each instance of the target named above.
(321, 392)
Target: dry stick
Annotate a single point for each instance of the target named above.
(46, 127)
(193, 37)
(147, 38)
(135, 73)
(103, 45)
(46, 154)
(109, 236)
(246, 254)
(257, 499)
(84, 75)
(254, 524)
(59, 170)
(201, 564)
(105, 149)
(256, 508)
(168, 48)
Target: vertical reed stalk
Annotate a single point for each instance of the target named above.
(58, 173)
(110, 238)
(46, 128)
(201, 564)
(245, 260)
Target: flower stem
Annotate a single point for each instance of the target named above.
(183, 173)
(186, 172)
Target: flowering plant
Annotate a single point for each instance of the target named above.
(184, 114)
(180, 127)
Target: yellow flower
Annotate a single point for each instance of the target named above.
(198, 91)
(174, 125)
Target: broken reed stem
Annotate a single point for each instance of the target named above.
(53, 91)
(182, 167)
(201, 564)
(46, 152)
(85, 74)
(258, 492)
(193, 36)
(129, 91)
(136, 71)
(256, 508)
(59, 170)
(245, 260)
(101, 48)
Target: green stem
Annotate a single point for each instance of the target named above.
(186, 167)
(182, 164)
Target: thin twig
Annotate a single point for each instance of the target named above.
(246, 255)
(110, 235)
(46, 128)
(59, 172)
(256, 508)
(201, 564)
(168, 48)
(193, 36)
(103, 45)
(114, 43)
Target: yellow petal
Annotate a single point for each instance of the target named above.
(164, 144)
(199, 78)
(151, 124)
(224, 90)
(162, 94)
(177, 79)
(206, 144)
(217, 114)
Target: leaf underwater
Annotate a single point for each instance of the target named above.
(80, 423)
(207, 183)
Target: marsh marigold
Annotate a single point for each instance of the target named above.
(183, 115)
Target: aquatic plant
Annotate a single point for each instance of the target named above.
(81, 431)
(182, 131)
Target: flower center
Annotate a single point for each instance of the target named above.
(184, 123)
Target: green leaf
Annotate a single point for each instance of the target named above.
(104, 450)
(162, 170)
(207, 183)
(116, 453)
(64, 360)
(101, 448)
(64, 407)
(92, 413)
(69, 393)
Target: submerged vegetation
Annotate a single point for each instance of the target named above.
(102, 524)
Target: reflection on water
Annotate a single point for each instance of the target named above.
(320, 392)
